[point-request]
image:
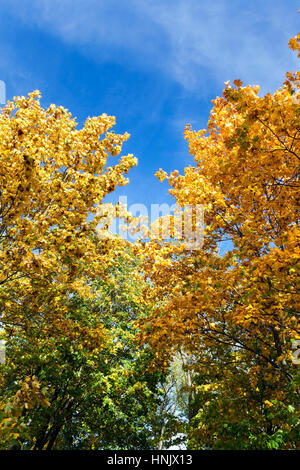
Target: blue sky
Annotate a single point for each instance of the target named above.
(154, 64)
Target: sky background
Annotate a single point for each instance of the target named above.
(155, 65)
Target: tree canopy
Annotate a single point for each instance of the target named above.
(111, 344)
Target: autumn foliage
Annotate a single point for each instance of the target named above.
(116, 316)
(52, 177)
(236, 314)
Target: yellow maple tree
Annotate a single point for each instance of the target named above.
(246, 178)
(53, 178)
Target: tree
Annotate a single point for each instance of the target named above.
(239, 310)
(52, 177)
(67, 393)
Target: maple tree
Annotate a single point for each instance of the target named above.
(238, 309)
(52, 177)
(64, 393)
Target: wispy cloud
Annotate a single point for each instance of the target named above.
(228, 39)
(193, 41)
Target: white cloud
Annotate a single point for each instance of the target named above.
(228, 39)
(194, 41)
